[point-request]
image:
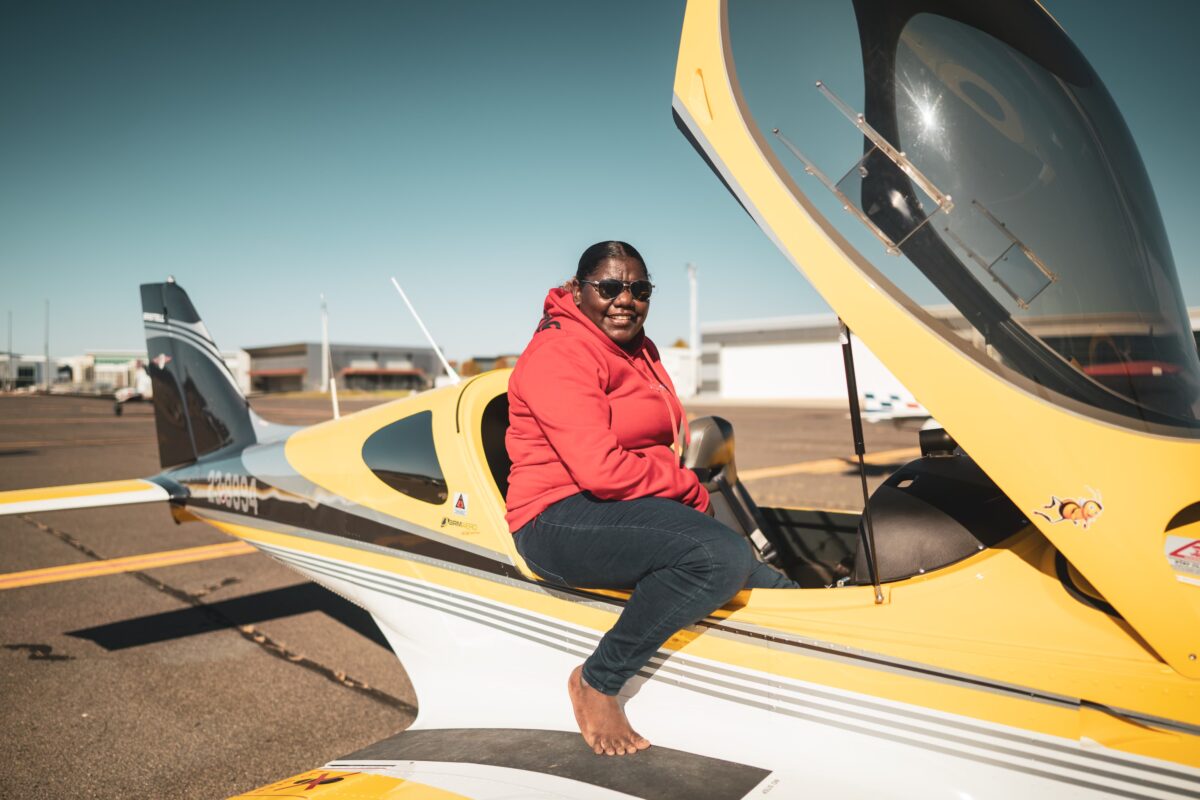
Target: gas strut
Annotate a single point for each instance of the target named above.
(867, 532)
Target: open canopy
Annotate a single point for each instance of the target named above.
(969, 159)
(992, 159)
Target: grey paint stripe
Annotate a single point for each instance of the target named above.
(968, 742)
(183, 334)
(865, 658)
(968, 727)
(877, 734)
(915, 715)
(204, 347)
(467, 613)
(409, 593)
(800, 715)
(803, 692)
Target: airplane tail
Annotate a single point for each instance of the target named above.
(198, 408)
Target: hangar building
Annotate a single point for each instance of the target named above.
(799, 358)
(297, 367)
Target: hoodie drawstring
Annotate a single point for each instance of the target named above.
(679, 429)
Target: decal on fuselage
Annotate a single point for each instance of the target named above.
(459, 525)
(1080, 512)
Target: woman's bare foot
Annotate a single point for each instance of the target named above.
(601, 721)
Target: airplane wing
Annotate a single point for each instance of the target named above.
(86, 495)
(504, 763)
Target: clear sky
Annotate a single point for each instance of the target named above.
(267, 151)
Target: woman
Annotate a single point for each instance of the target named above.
(597, 497)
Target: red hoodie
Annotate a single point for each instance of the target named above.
(585, 415)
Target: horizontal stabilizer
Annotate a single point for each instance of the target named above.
(82, 495)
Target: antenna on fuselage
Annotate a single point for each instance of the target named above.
(449, 369)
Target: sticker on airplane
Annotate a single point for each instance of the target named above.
(161, 360)
(1080, 512)
(465, 527)
(1185, 558)
(460, 503)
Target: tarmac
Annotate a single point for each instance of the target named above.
(214, 677)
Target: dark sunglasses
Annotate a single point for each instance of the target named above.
(611, 288)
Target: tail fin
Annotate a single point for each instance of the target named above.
(198, 407)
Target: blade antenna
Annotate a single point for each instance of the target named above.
(868, 533)
(449, 369)
(328, 381)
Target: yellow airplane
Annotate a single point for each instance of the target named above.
(1027, 621)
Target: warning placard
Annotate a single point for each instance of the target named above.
(1186, 558)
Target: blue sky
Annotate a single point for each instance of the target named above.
(267, 151)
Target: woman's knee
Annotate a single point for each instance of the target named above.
(722, 555)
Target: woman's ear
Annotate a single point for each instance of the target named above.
(575, 288)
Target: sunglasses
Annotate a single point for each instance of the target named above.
(611, 288)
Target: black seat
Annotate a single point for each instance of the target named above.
(494, 427)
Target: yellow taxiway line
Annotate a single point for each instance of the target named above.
(112, 566)
(827, 465)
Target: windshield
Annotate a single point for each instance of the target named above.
(996, 163)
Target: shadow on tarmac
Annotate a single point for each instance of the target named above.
(248, 610)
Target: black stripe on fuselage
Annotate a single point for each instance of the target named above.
(301, 514)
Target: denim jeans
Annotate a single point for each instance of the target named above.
(681, 565)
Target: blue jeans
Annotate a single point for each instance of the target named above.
(681, 565)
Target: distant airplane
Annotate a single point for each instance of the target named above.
(900, 410)
(142, 389)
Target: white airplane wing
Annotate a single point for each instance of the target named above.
(82, 495)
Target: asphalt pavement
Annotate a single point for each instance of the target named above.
(205, 679)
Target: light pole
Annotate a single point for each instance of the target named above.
(46, 379)
(324, 347)
(694, 327)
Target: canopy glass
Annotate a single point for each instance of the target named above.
(991, 179)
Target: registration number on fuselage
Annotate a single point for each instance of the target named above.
(235, 492)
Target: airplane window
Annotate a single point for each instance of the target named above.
(402, 455)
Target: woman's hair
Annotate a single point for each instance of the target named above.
(591, 258)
